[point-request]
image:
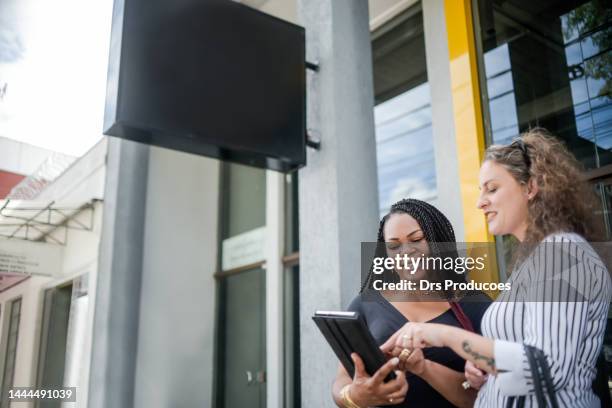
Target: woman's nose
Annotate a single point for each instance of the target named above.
(481, 203)
(408, 248)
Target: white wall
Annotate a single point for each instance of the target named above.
(80, 257)
(81, 183)
(21, 158)
(29, 329)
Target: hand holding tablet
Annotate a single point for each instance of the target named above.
(374, 381)
(346, 333)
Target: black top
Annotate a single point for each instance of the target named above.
(383, 320)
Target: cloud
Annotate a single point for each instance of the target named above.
(11, 46)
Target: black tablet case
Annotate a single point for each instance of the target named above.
(347, 333)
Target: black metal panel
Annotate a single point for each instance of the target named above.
(211, 77)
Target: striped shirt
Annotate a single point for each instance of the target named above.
(558, 303)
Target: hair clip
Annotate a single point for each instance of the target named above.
(519, 143)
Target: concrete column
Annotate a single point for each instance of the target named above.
(445, 144)
(174, 366)
(117, 297)
(153, 334)
(338, 199)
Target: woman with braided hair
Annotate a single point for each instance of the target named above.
(427, 378)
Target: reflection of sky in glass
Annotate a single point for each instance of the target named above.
(573, 54)
(499, 85)
(567, 35)
(588, 48)
(497, 60)
(404, 148)
(593, 113)
(500, 89)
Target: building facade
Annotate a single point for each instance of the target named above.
(201, 276)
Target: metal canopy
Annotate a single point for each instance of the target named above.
(44, 221)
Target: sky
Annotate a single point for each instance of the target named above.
(53, 61)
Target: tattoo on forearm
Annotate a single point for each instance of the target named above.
(477, 356)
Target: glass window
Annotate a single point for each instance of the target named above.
(402, 115)
(291, 295)
(549, 63)
(241, 311)
(244, 199)
(291, 328)
(292, 233)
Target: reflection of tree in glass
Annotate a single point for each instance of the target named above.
(584, 19)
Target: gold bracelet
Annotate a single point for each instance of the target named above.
(345, 403)
(346, 399)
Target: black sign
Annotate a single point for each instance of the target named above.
(211, 77)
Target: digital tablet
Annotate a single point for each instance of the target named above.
(347, 333)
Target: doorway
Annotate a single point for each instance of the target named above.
(241, 283)
(54, 336)
(243, 334)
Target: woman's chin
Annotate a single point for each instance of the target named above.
(494, 228)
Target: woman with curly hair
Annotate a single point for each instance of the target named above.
(533, 189)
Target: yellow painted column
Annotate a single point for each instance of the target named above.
(469, 127)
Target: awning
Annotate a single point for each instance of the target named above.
(33, 235)
(44, 221)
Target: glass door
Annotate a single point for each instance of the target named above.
(244, 339)
(241, 324)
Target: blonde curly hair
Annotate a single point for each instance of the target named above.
(565, 202)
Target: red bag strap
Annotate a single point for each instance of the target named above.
(464, 321)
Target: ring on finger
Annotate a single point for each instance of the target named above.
(405, 353)
(391, 400)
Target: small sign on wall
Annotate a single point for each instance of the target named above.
(30, 258)
(244, 249)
